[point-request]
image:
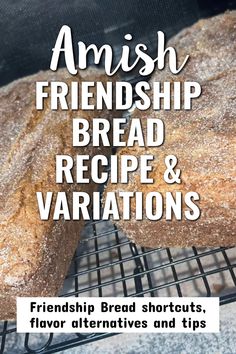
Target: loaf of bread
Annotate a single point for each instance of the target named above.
(203, 139)
(211, 46)
(35, 254)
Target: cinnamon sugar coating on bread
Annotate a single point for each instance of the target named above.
(203, 139)
(34, 254)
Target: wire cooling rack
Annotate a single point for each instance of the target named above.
(106, 263)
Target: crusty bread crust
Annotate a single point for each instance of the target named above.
(203, 139)
(35, 254)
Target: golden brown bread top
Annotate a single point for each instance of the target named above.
(29, 141)
(211, 45)
(203, 139)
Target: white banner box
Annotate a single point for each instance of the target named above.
(117, 315)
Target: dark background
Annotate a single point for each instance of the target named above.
(29, 28)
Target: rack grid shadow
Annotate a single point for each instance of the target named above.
(106, 263)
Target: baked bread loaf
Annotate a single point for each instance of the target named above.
(211, 46)
(203, 139)
(35, 254)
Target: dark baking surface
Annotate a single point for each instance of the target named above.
(29, 27)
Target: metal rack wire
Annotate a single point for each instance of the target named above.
(106, 263)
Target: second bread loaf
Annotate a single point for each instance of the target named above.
(203, 139)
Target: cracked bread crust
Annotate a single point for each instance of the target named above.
(35, 254)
